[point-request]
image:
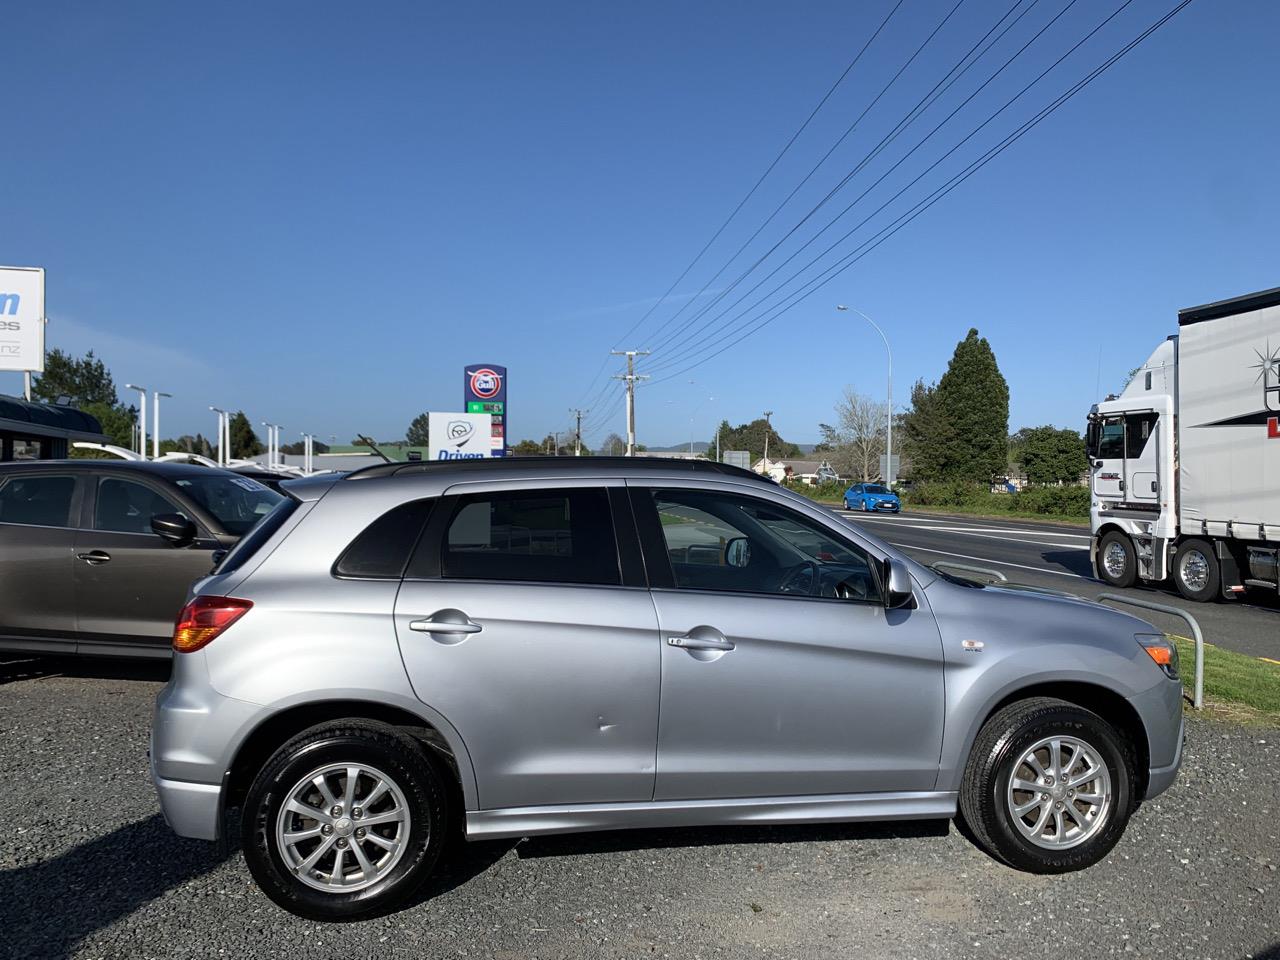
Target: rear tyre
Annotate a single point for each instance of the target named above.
(1117, 561)
(1196, 573)
(1048, 787)
(345, 820)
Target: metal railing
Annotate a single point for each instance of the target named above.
(1197, 699)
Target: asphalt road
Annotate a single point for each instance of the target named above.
(89, 869)
(1057, 556)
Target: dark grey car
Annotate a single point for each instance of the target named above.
(83, 570)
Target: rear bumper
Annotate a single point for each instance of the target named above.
(191, 809)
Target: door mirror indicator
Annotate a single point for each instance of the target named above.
(737, 552)
(175, 528)
(898, 591)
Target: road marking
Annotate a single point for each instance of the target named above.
(990, 536)
(1269, 660)
(971, 531)
(1003, 563)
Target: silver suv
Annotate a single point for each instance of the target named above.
(506, 648)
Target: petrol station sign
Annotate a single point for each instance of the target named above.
(484, 391)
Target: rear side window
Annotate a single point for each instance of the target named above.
(37, 501)
(547, 536)
(382, 551)
(261, 532)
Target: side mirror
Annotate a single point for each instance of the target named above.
(175, 528)
(737, 552)
(898, 591)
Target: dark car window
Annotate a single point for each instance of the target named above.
(725, 542)
(382, 550)
(125, 506)
(877, 488)
(236, 502)
(38, 501)
(548, 536)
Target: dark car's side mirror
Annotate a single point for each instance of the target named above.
(897, 591)
(175, 528)
(737, 552)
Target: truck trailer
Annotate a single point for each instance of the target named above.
(1185, 463)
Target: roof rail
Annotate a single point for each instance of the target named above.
(504, 464)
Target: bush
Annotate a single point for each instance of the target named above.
(1042, 501)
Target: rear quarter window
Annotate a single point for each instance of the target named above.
(382, 550)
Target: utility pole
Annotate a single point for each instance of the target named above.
(630, 378)
(577, 433)
(767, 415)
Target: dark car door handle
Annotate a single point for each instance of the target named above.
(94, 557)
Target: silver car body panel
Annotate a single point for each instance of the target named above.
(575, 711)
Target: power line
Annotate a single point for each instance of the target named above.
(920, 143)
(835, 270)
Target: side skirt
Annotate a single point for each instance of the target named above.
(581, 817)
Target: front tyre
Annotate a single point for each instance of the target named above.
(344, 820)
(1048, 787)
(1117, 562)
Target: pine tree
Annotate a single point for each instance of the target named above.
(972, 402)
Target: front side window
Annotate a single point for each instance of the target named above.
(549, 536)
(237, 503)
(725, 542)
(125, 506)
(1111, 440)
(37, 501)
(877, 488)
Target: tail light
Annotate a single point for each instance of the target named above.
(203, 619)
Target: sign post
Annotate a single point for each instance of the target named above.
(484, 390)
(22, 321)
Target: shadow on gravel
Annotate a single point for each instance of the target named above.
(53, 905)
(15, 668)
(1267, 953)
(574, 845)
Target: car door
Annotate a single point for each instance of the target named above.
(37, 544)
(783, 673)
(524, 620)
(130, 584)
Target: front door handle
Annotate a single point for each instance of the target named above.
(94, 557)
(691, 642)
(433, 625)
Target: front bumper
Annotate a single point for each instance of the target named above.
(1160, 710)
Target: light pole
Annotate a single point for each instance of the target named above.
(273, 442)
(155, 426)
(888, 446)
(142, 418)
(222, 433)
(767, 415)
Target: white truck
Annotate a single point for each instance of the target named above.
(1186, 462)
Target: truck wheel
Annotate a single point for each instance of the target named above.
(1117, 562)
(1195, 571)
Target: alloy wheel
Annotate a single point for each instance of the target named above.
(343, 827)
(1193, 570)
(1115, 560)
(1059, 792)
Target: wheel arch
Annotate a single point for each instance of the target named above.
(275, 730)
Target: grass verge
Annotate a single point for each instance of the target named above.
(1237, 687)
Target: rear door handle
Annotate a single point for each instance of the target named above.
(690, 642)
(94, 557)
(432, 625)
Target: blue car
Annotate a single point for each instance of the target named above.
(871, 498)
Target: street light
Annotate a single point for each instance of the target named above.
(273, 442)
(888, 460)
(222, 435)
(700, 405)
(767, 415)
(155, 426)
(142, 418)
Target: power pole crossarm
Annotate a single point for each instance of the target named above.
(630, 378)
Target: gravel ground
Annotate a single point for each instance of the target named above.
(89, 869)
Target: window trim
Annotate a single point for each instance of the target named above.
(77, 496)
(656, 555)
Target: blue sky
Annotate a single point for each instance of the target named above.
(319, 213)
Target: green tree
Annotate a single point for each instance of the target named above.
(972, 424)
(1048, 455)
(84, 380)
(298, 448)
(528, 448)
(920, 430)
(750, 437)
(244, 442)
(118, 422)
(613, 446)
(417, 433)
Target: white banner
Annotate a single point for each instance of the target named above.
(460, 436)
(22, 318)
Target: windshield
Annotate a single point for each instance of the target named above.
(237, 503)
(876, 488)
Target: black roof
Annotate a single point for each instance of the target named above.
(593, 464)
(49, 415)
(1227, 308)
(162, 468)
